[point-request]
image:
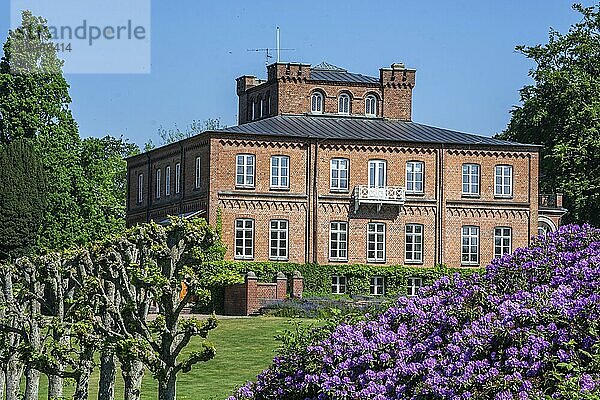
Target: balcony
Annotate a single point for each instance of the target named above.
(554, 200)
(395, 195)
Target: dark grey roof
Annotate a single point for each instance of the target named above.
(331, 73)
(349, 128)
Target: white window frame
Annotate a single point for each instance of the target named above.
(177, 178)
(198, 176)
(502, 174)
(344, 107)
(278, 244)
(337, 168)
(245, 233)
(339, 284)
(253, 115)
(377, 286)
(248, 170)
(168, 180)
(413, 285)
(140, 188)
(377, 173)
(280, 173)
(338, 241)
(471, 178)
(502, 240)
(376, 237)
(469, 245)
(413, 243)
(412, 175)
(158, 173)
(317, 103)
(371, 106)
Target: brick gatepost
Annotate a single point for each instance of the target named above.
(297, 285)
(281, 280)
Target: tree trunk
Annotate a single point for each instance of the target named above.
(2, 382)
(83, 384)
(55, 387)
(133, 372)
(32, 384)
(13, 378)
(166, 389)
(106, 386)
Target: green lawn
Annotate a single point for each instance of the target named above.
(245, 346)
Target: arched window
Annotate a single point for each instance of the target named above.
(316, 102)
(371, 106)
(344, 104)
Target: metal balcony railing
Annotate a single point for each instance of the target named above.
(379, 195)
(550, 200)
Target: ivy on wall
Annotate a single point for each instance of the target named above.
(317, 278)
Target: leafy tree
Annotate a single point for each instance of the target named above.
(86, 179)
(22, 198)
(561, 111)
(103, 200)
(175, 134)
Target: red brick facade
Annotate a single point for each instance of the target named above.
(310, 205)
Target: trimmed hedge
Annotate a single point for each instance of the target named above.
(317, 278)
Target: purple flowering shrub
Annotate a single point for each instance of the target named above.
(527, 328)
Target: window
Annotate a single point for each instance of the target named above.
(253, 112)
(316, 102)
(339, 174)
(338, 241)
(470, 179)
(245, 170)
(279, 240)
(280, 172)
(262, 107)
(502, 240)
(371, 106)
(470, 245)
(376, 242)
(244, 239)
(177, 178)
(377, 173)
(268, 104)
(414, 177)
(338, 284)
(503, 186)
(413, 286)
(158, 183)
(140, 188)
(377, 287)
(198, 170)
(414, 243)
(168, 180)
(344, 104)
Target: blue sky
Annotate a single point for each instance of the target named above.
(468, 74)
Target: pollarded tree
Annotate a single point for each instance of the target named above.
(22, 198)
(161, 265)
(561, 111)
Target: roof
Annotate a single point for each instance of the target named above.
(331, 73)
(353, 128)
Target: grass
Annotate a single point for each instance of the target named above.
(245, 346)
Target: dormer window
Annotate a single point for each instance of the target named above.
(344, 104)
(316, 103)
(371, 106)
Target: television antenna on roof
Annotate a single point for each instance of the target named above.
(269, 51)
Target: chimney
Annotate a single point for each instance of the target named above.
(397, 85)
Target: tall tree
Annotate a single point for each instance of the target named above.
(86, 179)
(561, 111)
(22, 198)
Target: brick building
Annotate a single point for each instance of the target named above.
(326, 166)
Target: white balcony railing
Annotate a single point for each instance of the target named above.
(379, 195)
